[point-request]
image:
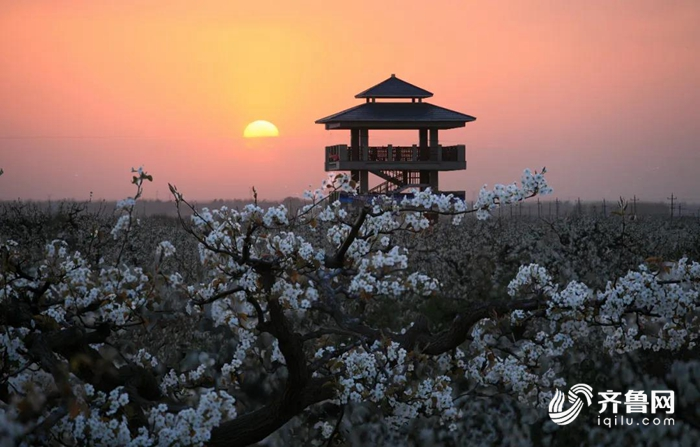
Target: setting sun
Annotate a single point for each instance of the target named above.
(260, 128)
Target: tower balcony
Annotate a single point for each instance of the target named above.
(342, 157)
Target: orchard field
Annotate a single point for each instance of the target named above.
(333, 326)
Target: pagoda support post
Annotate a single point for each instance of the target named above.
(422, 138)
(354, 138)
(364, 150)
(364, 143)
(434, 147)
(435, 154)
(425, 177)
(433, 138)
(434, 181)
(364, 137)
(355, 144)
(364, 182)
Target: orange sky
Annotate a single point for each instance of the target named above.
(605, 94)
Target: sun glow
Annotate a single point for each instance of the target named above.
(260, 128)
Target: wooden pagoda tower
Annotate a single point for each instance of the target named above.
(400, 167)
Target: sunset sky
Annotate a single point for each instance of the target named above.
(605, 94)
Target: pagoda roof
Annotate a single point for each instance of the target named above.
(396, 115)
(394, 88)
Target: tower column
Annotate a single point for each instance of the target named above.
(364, 145)
(355, 144)
(364, 137)
(424, 176)
(364, 182)
(433, 137)
(354, 138)
(422, 138)
(434, 181)
(434, 155)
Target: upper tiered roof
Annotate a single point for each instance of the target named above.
(394, 88)
(395, 114)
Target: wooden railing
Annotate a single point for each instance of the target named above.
(450, 153)
(403, 153)
(377, 153)
(341, 152)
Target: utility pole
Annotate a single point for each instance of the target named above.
(605, 209)
(557, 207)
(578, 205)
(672, 199)
(539, 208)
(634, 206)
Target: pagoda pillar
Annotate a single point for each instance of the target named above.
(363, 135)
(422, 138)
(422, 148)
(354, 138)
(434, 183)
(434, 155)
(433, 137)
(354, 154)
(355, 144)
(364, 182)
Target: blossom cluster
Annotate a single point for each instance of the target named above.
(500, 195)
(636, 311)
(387, 376)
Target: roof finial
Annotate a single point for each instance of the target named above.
(393, 75)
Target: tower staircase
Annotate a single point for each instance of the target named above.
(396, 181)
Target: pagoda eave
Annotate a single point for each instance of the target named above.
(400, 96)
(395, 125)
